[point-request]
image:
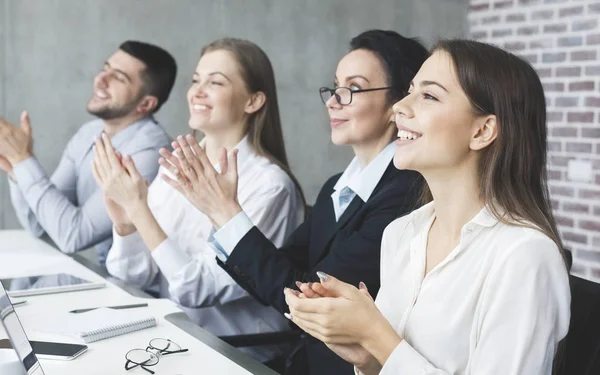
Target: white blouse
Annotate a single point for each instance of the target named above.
(498, 304)
(184, 265)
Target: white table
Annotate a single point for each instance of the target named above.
(21, 255)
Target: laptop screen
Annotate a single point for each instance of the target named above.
(16, 335)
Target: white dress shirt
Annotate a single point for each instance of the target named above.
(361, 181)
(68, 206)
(184, 264)
(498, 304)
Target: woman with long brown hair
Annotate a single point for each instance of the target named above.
(475, 281)
(162, 241)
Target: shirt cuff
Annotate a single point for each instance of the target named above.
(406, 360)
(170, 258)
(233, 231)
(28, 172)
(127, 245)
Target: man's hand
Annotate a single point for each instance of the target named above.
(16, 143)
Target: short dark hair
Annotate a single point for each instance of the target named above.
(401, 57)
(161, 69)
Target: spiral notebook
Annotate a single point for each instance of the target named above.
(97, 324)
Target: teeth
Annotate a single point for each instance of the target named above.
(199, 107)
(406, 135)
(101, 95)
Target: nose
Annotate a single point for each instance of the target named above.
(197, 89)
(403, 107)
(332, 103)
(101, 80)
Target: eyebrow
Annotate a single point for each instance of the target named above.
(118, 71)
(353, 77)
(214, 73)
(430, 83)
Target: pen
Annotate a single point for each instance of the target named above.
(110, 307)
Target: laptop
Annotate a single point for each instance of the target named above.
(16, 334)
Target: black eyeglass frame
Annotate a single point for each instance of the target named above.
(155, 351)
(324, 89)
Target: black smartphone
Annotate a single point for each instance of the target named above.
(52, 350)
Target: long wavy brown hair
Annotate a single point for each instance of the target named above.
(263, 126)
(512, 170)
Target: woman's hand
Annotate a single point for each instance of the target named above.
(213, 193)
(352, 353)
(119, 179)
(349, 316)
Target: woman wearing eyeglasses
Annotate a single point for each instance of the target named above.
(342, 236)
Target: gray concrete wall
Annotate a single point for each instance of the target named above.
(50, 51)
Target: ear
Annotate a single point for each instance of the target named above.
(256, 101)
(147, 104)
(485, 132)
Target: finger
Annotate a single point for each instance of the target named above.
(362, 287)
(335, 286)
(319, 332)
(223, 161)
(175, 145)
(97, 176)
(100, 156)
(25, 123)
(169, 157)
(321, 290)
(131, 168)
(232, 163)
(169, 167)
(185, 156)
(174, 183)
(110, 151)
(200, 154)
(189, 154)
(310, 305)
(306, 290)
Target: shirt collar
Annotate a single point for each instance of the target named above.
(484, 218)
(126, 134)
(363, 182)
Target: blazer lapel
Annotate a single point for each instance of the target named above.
(331, 227)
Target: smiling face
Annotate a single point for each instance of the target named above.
(218, 98)
(368, 117)
(118, 88)
(437, 127)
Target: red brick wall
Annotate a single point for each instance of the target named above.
(561, 38)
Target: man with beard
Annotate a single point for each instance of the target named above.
(69, 206)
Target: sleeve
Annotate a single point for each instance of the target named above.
(199, 281)
(352, 256)
(71, 227)
(522, 315)
(24, 214)
(129, 260)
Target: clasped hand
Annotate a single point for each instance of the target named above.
(16, 143)
(192, 174)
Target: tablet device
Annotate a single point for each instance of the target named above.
(11, 324)
(46, 284)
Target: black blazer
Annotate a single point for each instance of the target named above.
(348, 249)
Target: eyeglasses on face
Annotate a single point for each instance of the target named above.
(343, 95)
(151, 355)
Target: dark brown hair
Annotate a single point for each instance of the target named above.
(512, 170)
(264, 126)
